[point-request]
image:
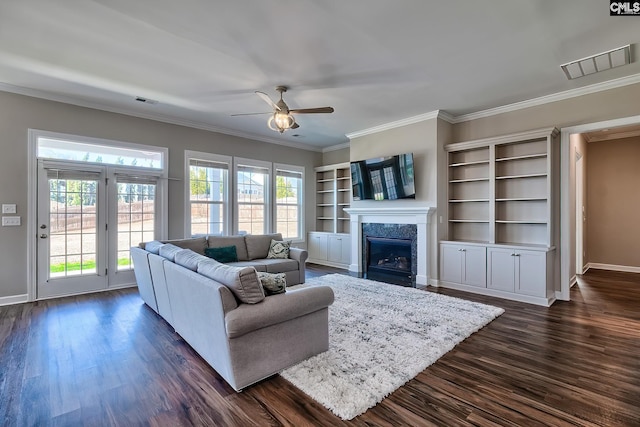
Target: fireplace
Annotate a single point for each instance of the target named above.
(397, 222)
(389, 260)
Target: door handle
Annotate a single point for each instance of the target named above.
(43, 236)
(43, 226)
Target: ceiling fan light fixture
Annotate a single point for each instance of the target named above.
(281, 121)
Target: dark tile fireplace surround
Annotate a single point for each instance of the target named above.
(389, 253)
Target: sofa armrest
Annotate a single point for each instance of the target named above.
(301, 256)
(277, 309)
(298, 254)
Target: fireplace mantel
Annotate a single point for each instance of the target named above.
(392, 215)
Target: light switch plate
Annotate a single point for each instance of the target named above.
(8, 208)
(10, 221)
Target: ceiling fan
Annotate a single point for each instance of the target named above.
(281, 118)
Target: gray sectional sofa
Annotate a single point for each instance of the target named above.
(221, 309)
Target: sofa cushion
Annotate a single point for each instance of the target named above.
(242, 281)
(189, 259)
(169, 251)
(258, 245)
(279, 265)
(279, 249)
(152, 246)
(222, 254)
(196, 244)
(273, 284)
(255, 264)
(237, 241)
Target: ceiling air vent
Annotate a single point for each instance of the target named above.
(145, 100)
(597, 63)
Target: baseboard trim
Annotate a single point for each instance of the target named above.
(545, 302)
(14, 299)
(573, 281)
(613, 267)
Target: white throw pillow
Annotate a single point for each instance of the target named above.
(279, 249)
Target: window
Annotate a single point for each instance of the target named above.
(208, 192)
(256, 197)
(115, 153)
(252, 196)
(289, 206)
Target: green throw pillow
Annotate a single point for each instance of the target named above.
(273, 283)
(223, 254)
(279, 249)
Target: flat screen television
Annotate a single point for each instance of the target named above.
(383, 178)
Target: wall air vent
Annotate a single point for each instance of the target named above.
(598, 62)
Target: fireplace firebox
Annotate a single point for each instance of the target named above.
(389, 260)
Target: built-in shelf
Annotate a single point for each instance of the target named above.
(528, 156)
(522, 199)
(333, 195)
(529, 175)
(496, 182)
(477, 162)
(501, 213)
(525, 221)
(453, 181)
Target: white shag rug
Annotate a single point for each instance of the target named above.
(380, 337)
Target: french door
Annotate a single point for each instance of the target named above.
(88, 218)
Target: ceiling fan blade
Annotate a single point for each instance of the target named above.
(312, 110)
(251, 114)
(268, 100)
(295, 126)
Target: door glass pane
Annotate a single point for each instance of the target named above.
(72, 221)
(136, 219)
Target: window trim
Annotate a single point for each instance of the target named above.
(162, 191)
(227, 205)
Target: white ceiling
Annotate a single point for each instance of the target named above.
(374, 61)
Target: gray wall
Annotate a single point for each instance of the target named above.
(613, 204)
(19, 113)
(595, 107)
(335, 156)
(422, 140)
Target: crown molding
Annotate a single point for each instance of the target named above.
(594, 137)
(35, 93)
(555, 97)
(336, 147)
(398, 123)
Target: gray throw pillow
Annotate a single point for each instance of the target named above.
(153, 246)
(188, 259)
(273, 283)
(169, 251)
(279, 249)
(242, 281)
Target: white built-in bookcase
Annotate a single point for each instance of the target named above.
(499, 189)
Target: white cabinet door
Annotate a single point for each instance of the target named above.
(346, 250)
(464, 264)
(501, 269)
(317, 246)
(531, 273)
(474, 266)
(334, 248)
(451, 263)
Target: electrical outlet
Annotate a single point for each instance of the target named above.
(8, 208)
(10, 221)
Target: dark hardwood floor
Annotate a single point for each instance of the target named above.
(107, 359)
